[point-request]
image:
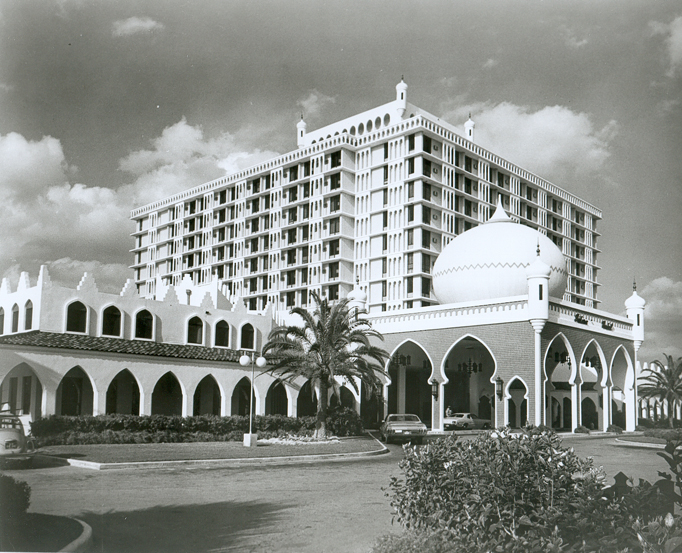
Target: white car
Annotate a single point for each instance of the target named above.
(465, 421)
(12, 436)
(403, 428)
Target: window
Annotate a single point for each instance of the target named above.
(335, 181)
(28, 311)
(410, 213)
(426, 287)
(426, 215)
(15, 318)
(384, 242)
(426, 191)
(410, 142)
(293, 194)
(111, 321)
(334, 225)
(144, 324)
(76, 317)
(2, 320)
(410, 237)
(426, 168)
(334, 292)
(426, 264)
(248, 334)
(426, 239)
(291, 299)
(333, 248)
(410, 262)
(410, 190)
(292, 217)
(333, 270)
(334, 203)
(291, 278)
(291, 236)
(410, 285)
(384, 219)
(384, 266)
(291, 257)
(304, 277)
(293, 173)
(336, 159)
(195, 329)
(410, 166)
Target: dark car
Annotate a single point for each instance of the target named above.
(402, 428)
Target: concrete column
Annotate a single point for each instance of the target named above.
(539, 380)
(99, 402)
(402, 373)
(606, 406)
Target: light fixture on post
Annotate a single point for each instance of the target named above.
(434, 390)
(499, 387)
(251, 439)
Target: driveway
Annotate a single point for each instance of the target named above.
(334, 507)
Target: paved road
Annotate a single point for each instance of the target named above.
(304, 508)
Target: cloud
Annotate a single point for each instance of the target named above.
(571, 40)
(74, 227)
(135, 25)
(490, 63)
(673, 34)
(662, 319)
(315, 104)
(553, 141)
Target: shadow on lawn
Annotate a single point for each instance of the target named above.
(182, 528)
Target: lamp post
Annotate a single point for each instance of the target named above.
(251, 439)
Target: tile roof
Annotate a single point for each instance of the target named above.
(83, 342)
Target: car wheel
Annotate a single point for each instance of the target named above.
(465, 426)
(486, 426)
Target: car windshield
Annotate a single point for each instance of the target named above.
(403, 418)
(461, 414)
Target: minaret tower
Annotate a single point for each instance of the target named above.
(634, 306)
(538, 273)
(300, 134)
(469, 129)
(401, 97)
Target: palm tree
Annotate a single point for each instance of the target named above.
(332, 343)
(665, 383)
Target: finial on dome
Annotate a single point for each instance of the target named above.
(538, 248)
(634, 285)
(500, 215)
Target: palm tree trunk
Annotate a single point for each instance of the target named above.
(321, 422)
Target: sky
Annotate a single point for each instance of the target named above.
(107, 106)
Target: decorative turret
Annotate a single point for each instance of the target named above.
(401, 97)
(301, 128)
(634, 306)
(537, 274)
(357, 299)
(469, 128)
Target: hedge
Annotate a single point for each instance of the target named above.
(127, 429)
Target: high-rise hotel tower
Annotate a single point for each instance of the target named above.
(374, 198)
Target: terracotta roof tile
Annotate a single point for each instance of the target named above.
(82, 342)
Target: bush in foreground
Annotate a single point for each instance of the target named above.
(513, 493)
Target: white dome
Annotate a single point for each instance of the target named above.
(490, 261)
(635, 301)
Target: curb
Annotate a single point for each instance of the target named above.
(229, 462)
(642, 445)
(82, 541)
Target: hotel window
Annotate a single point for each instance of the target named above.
(194, 331)
(385, 150)
(293, 194)
(426, 287)
(292, 217)
(291, 257)
(467, 208)
(305, 211)
(467, 164)
(384, 242)
(305, 233)
(385, 175)
(293, 173)
(2, 320)
(255, 205)
(335, 181)
(384, 218)
(334, 292)
(410, 262)
(306, 168)
(291, 278)
(426, 264)
(144, 322)
(426, 168)
(334, 225)
(76, 317)
(254, 245)
(111, 321)
(15, 318)
(427, 144)
(28, 312)
(291, 236)
(410, 237)
(426, 191)
(426, 215)
(253, 265)
(336, 159)
(384, 289)
(333, 248)
(335, 203)
(384, 266)
(304, 254)
(410, 285)
(222, 334)
(334, 270)
(410, 190)
(410, 213)
(410, 142)
(291, 299)
(426, 239)
(410, 166)
(304, 277)
(385, 196)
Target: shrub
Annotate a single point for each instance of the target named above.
(582, 430)
(645, 423)
(16, 497)
(614, 428)
(128, 429)
(510, 492)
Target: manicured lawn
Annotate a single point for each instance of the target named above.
(127, 453)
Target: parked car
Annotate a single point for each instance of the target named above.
(13, 441)
(464, 421)
(402, 428)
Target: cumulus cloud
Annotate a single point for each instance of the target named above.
(315, 104)
(490, 63)
(73, 227)
(571, 40)
(662, 319)
(135, 25)
(553, 141)
(673, 40)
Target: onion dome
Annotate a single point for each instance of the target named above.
(635, 301)
(356, 297)
(491, 261)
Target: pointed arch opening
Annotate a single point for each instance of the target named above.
(559, 384)
(517, 403)
(240, 398)
(276, 401)
(75, 394)
(248, 337)
(76, 317)
(622, 378)
(409, 369)
(222, 334)
(207, 397)
(28, 315)
(167, 396)
(195, 331)
(123, 394)
(2, 320)
(144, 325)
(346, 399)
(22, 390)
(15, 318)
(111, 321)
(468, 368)
(306, 403)
(594, 386)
